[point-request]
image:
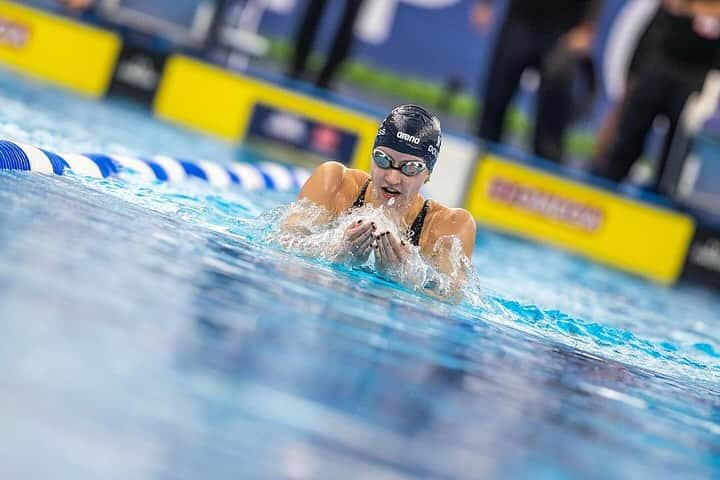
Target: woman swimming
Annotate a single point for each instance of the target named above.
(404, 154)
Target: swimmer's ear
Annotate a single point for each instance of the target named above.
(427, 179)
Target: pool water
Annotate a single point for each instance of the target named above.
(150, 331)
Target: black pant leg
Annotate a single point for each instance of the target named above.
(684, 82)
(560, 69)
(514, 51)
(341, 43)
(305, 36)
(642, 104)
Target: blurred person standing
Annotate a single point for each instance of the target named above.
(681, 45)
(639, 54)
(554, 36)
(341, 43)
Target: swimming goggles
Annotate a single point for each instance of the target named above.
(384, 161)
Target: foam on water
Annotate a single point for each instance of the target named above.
(322, 241)
(313, 235)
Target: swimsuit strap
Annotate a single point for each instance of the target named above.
(417, 226)
(360, 201)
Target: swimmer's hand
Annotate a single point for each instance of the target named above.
(390, 254)
(357, 242)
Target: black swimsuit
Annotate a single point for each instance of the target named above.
(413, 233)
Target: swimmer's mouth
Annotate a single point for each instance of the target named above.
(390, 192)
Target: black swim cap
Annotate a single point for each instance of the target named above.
(413, 130)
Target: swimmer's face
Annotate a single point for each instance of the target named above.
(392, 187)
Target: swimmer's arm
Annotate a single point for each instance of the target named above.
(457, 223)
(322, 189)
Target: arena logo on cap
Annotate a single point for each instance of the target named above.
(408, 138)
(13, 34)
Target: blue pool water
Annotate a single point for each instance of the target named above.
(149, 331)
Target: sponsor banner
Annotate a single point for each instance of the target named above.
(137, 73)
(703, 258)
(631, 235)
(222, 103)
(307, 141)
(58, 50)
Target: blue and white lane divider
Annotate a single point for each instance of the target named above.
(252, 176)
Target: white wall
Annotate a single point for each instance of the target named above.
(450, 179)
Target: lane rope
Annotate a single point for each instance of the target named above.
(161, 168)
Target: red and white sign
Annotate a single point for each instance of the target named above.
(325, 139)
(13, 34)
(546, 204)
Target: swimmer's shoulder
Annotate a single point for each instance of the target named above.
(334, 185)
(336, 175)
(458, 222)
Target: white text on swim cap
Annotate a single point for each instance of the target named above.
(408, 138)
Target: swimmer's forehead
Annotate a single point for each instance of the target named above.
(400, 157)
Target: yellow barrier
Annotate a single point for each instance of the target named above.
(62, 51)
(626, 234)
(215, 101)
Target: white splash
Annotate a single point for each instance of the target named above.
(309, 230)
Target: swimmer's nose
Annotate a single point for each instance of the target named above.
(392, 177)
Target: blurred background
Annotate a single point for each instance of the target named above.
(552, 80)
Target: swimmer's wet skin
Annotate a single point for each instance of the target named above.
(406, 149)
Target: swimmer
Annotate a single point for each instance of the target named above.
(403, 157)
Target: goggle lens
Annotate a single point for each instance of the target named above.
(409, 169)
